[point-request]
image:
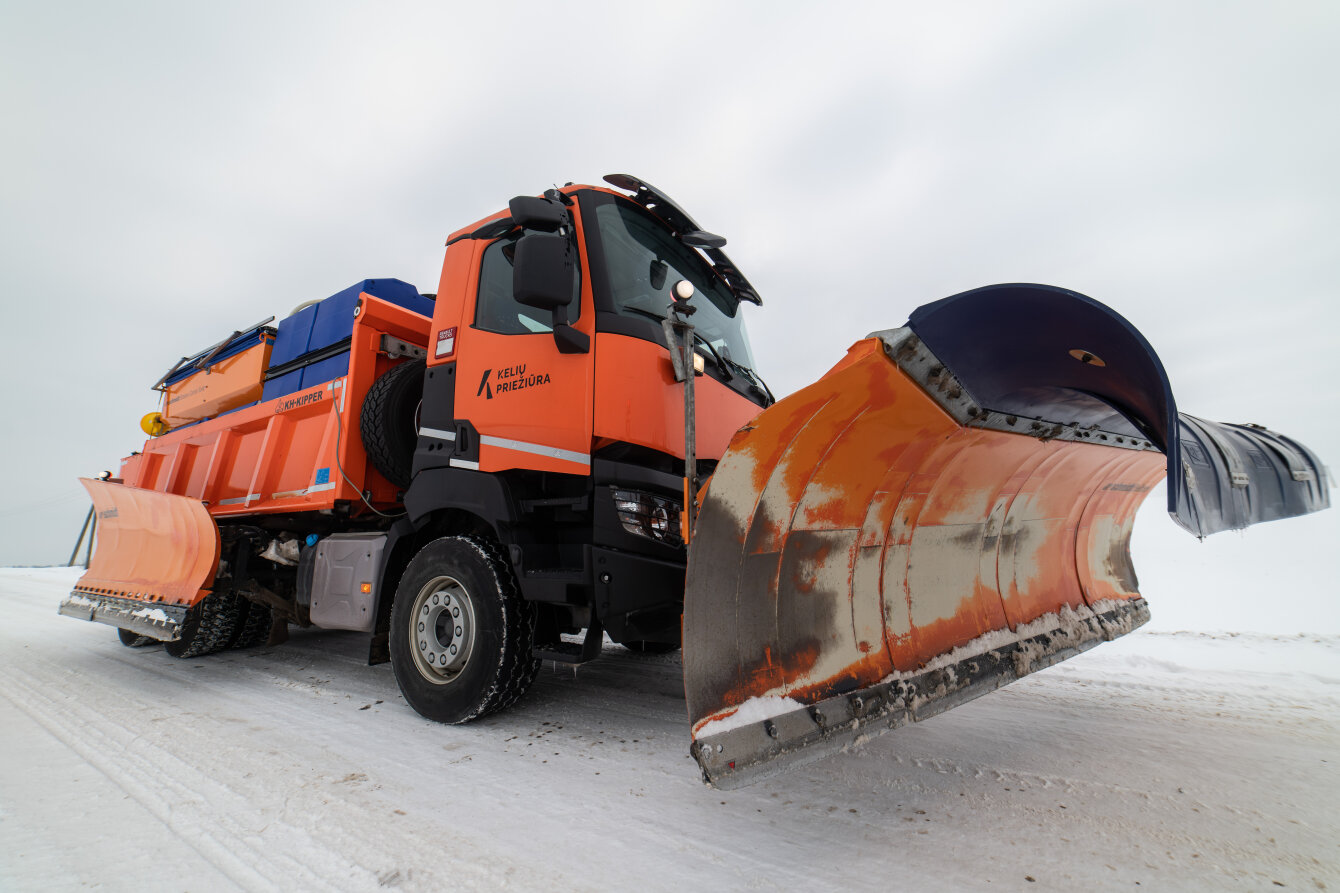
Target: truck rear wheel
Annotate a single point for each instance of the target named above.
(386, 421)
(254, 629)
(210, 626)
(461, 635)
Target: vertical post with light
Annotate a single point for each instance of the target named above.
(679, 338)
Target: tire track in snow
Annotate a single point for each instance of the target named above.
(1091, 768)
(202, 813)
(304, 781)
(309, 827)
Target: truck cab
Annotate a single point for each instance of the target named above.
(551, 419)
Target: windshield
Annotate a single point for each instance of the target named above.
(644, 261)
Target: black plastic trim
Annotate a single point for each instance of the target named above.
(437, 411)
(467, 441)
(598, 270)
(607, 321)
(486, 496)
(611, 472)
(312, 356)
(388, 579)
(637, 597)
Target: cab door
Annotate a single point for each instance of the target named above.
(520, 402)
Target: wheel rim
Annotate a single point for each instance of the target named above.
(442, 632)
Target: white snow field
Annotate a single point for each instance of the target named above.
(1168, 761)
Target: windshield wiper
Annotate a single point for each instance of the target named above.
(641, 312)
(699, 339)
(721, 364)
(756, 380)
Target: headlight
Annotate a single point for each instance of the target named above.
(645, 514)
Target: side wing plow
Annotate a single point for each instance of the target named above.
(156, 557)
(945, 511)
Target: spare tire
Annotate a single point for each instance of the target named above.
(387, 421)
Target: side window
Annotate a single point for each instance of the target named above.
(495, 308)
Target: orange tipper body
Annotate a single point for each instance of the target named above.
(503, 473)
(158, 539)
(299, 452)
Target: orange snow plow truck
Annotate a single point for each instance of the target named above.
(570, 437)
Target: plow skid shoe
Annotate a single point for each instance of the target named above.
(908, 533)
(156, 557)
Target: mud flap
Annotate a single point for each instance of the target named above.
(901, 536)
(156, 557)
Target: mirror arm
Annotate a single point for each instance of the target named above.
(570, 340)
(491, 230)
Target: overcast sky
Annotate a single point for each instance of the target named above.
(177, 170)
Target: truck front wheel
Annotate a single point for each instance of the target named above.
(461, 635)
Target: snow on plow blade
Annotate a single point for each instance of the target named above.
(945, 511)
(156, 556)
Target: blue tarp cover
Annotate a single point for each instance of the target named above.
(322, 325)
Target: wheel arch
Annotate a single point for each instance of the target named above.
(403, 542)
(484, 496)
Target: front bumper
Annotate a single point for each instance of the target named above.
(638, 598)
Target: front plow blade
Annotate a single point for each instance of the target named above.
(907, 534)
(156, 556)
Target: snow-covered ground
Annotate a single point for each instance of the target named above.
(1169, 760)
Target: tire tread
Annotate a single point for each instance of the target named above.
(212, 628)
(386, 421)
(520, 666)
(506, 669)
(255, 629)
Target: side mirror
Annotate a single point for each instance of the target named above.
(543, 271)
(535, 213)
(544, 276)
